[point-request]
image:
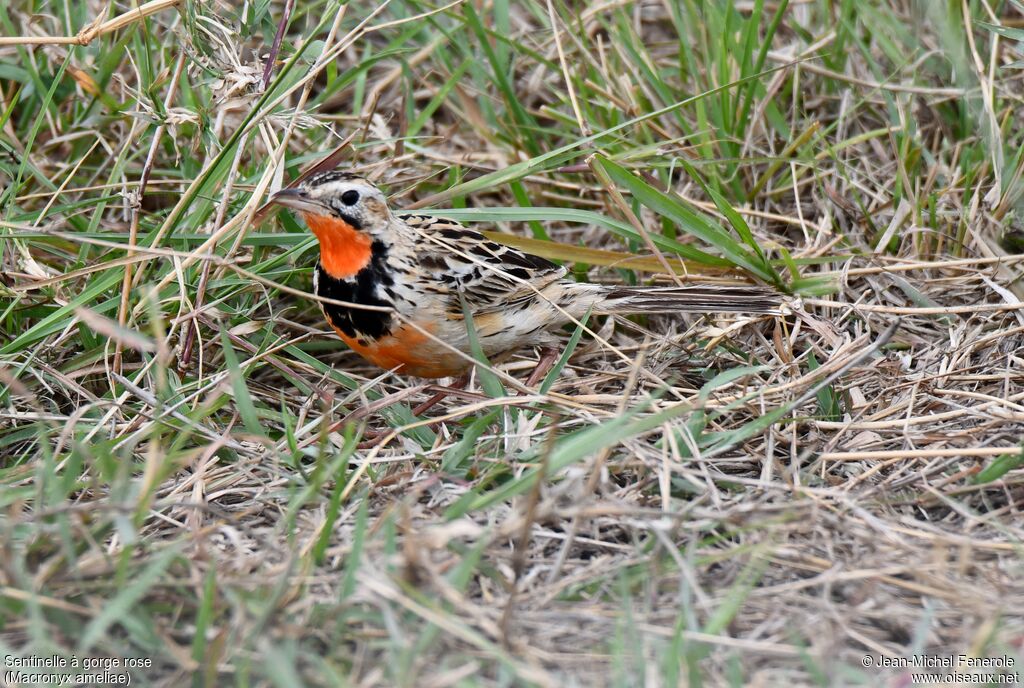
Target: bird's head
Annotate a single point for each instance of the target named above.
(337, 196)
(343, 211)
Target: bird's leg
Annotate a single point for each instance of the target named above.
(545, 362)
(375, 406)
(459, 383)
(371, 437)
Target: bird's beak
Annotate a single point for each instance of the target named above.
(299, 200)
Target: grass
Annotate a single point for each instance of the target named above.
(698, 501)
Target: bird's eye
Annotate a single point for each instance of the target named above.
(350, 197)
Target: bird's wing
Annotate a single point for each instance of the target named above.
(454, 259)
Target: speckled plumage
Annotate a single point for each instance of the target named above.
(419, 274)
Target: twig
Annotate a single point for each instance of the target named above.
(917, 453)
(276, 47)
(907, 310)
(133, 231)
(529, 518)
(96, 29)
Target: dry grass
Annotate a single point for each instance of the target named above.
(693, 501)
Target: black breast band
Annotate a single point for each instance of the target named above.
(361, 289)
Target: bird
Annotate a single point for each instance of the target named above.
(407, 281)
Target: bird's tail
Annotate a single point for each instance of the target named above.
(695, 298)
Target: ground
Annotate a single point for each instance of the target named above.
(824, 496)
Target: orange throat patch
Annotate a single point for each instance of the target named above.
(344, 250)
